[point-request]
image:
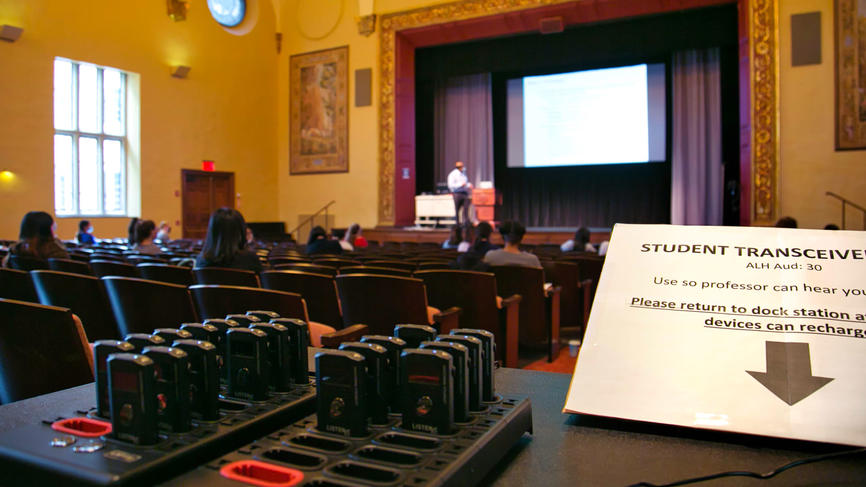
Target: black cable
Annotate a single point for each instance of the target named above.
(760, 476)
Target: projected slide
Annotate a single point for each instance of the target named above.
(600, 116)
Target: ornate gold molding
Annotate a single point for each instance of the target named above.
(765, 96)
(390, 24)
(764, 84)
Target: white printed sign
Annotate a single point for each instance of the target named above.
(752, 330)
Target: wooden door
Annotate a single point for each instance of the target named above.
(204, 192)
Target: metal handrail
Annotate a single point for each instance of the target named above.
(310, 218)
(846, 202)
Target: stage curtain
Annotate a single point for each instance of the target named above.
(463, 127)
(696, 147)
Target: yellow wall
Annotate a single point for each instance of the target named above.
(810, 165)
(234, 108)
(355, 192)
(224, 111)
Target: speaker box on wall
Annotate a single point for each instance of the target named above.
(363, 82)
(806, 39)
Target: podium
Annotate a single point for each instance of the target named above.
(484, 200)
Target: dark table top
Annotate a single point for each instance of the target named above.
(584, 450)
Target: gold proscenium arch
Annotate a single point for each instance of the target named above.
(761, 127)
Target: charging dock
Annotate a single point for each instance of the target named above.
(390, 457)
(29, 455)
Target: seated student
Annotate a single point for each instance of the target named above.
(786, 222)
(580, 242)
(85, 233)
(512, 232)
(36, 239)
(455, 238)
(482, 243)
(468, 237)
(252, 243)
(164, 233)
(359, 242)
(145, 232)
(353, 238)
(319, 243)
(472, 259)
(225, 243)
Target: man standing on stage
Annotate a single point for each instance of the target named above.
(460, 188)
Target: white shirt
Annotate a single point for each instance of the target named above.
(457, 181)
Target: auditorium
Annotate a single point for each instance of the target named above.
(311, 182)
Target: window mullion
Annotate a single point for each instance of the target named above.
(76, 206)
(75, 195)
(100, 162)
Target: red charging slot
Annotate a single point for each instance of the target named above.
(254, 472)
(84, 427)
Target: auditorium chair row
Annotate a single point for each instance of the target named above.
(44, 348)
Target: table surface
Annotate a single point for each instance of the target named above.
(584, 450)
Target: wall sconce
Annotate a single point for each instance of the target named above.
(180, 71)
(177, 9)
(366, 24)
(10, 33)
(6, 175)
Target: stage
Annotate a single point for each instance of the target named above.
(534, 235)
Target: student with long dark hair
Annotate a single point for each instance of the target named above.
(36, 238)
(145, 232)
(225, 244)
(319, 243)
(580, 242)
(130, 231)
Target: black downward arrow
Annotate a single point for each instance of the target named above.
(789, 372)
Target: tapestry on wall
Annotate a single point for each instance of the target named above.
(318, 112)
(850, 74)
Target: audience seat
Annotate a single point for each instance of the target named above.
(217, 301)
(15, 284)
(283, 259)
(42, 350)
(103, 268)
(27, 263)
(393, 264)
(475, 294)
(310, 268)
(539, 308)
(70, 265)
(135, 259)
(381, 302)
(140, 305)
(84, 295)
(226, 276)
(214, 301)
(378, 270)
(349, 334)
(171, 274)
(590, 265)
(427, 265)
(335, 262)
(318, 290)
(574, 300)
